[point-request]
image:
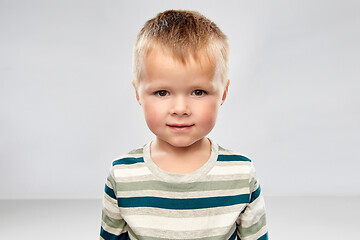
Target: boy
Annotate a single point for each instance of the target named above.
(182, 185)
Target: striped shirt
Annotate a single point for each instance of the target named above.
(221, 200)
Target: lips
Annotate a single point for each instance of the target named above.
(180, 127)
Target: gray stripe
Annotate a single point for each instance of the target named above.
(114, 223)
(245, 232)
(136, 151)
(182, 187)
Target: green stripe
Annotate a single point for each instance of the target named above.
(255, 194)
(182, 187)
(109, 236)
(110, 192)
(114, 223)
(183, 204)
(264, 237)
(233, 158)
(128, 161)
(254, 228)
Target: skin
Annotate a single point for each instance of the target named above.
(180, 104)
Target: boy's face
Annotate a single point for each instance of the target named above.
(180, 102)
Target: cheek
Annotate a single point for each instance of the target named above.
(153, 115)
(208, 114)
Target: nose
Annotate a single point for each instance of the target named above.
(180, 106)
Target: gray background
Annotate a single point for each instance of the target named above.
(67, 107)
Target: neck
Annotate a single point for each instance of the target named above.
(161, 147)
(180, 159)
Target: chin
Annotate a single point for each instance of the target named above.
(182, 143)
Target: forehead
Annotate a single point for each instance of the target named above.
(160, 64)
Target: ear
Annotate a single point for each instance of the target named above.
(136, 92)
(225, 92)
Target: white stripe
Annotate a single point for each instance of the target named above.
(110, 207)
(184, 214)
(134, 155)
(253, 212)
(228, 152)
(142, 178)
(182, 224)
(229, 170)
(229, 177)
(130, 172)
(214, 233)
(231, 163)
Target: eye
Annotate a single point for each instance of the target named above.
(161, 93)
(198, 92)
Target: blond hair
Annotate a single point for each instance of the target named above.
(184, 34)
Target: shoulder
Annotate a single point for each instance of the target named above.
(128, 166)
(228, 155)
(232, 165)
(132, 157)
(234, 162)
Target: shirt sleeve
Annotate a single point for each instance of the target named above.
(113, 226)
(251, 223)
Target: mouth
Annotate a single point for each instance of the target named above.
(180, 127)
